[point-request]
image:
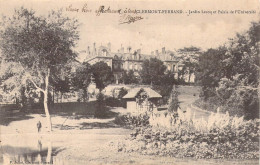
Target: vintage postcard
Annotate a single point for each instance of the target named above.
(129, 82)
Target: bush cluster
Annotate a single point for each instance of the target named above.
(131, 121)
(220, 137)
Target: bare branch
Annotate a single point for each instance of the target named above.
(36, 86)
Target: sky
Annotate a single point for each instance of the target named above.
(154, 31)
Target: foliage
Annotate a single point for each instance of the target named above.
(129, 78)
(174, 102)
(230, 73)
(221, 136)
(117, 101)
(133, 121)
(113, 102)
(102, 75)
(81, 80)
(152, 71)
(61, 82)
(189, 59)
(101, 108)
(34, 47)
(122, 93)
(164, 91)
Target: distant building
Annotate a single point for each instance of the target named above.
(127, 59)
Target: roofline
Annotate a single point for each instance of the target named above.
(98, 57)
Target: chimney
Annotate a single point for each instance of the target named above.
(129, 49)
(163, 50)
(109, 46)
(156, 53)
(152, 53)
(88, 51)
(94, 48)
(138, 51)
(122, 49)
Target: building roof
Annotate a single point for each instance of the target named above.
(133, 92)
(131, 56)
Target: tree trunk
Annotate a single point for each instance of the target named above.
(53, 93)
(85, 95)
(46, 109)
(49, 153)
(45, 101)
(189, 77)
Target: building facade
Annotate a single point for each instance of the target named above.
(127, 59)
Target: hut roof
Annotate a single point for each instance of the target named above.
(133, 92)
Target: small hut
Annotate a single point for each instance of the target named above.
(141, 100)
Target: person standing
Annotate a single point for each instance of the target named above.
(39, 126)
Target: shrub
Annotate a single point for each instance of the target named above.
(165, 91)
(221, 136)
(100, 108)
(112, 102)
(133, 121)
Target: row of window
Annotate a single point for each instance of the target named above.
(131, 66)
(171, 67)
(134, 67)
(139, 67)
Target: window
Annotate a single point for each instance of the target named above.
(104, 52)
(115, 66)
(136, 67)
(169, 67)
(131, 67)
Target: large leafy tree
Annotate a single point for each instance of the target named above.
(40, 46)
(210, 70)
(82, 78)
(230, 74)
(129, 77)
(189, 59)
(102, 75)
(152, 71)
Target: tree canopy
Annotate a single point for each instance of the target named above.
(102, 75)
(82, 78)
(152, 71)
(229, 74)
(37, 47)
(189, 59)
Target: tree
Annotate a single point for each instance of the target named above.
(38, 45)
(102, 75)
(129, 77)
(174, 102)
(210, 70)
(152, 71)
(82, 78)
(189, 59)
(229, 74)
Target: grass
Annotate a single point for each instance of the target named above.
(77, 110)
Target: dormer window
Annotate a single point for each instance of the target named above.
(173, 67)
(104, 52)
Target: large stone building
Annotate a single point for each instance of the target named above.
(128, 59)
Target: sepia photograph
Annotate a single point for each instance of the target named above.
(118, 82)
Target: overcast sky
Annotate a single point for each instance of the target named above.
(155, 31)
